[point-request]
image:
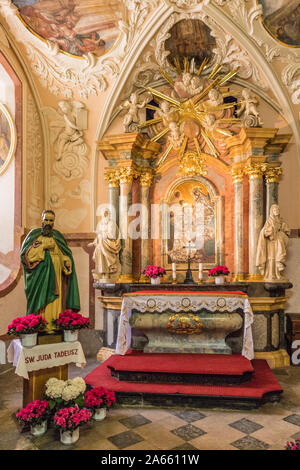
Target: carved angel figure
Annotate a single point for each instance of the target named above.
(215, 98)
(132, 119)
(66, 133)
(188, 85)
(168, 113)
(248, 110)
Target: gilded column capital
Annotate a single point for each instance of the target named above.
(237, 174)
(126, 174)
(272, 174)
(146, 178)
(112, 176)
(255, 170)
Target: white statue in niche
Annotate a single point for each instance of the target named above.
(248, 110)
(132, 118)
(272, 247)
(66, 132)
(107, 248)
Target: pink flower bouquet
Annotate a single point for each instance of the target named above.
(69, 419)
(99, 397)
(153, 271)
(293, 445)
(71, 321)
(34, 413)
(26, 325)
(218, 271)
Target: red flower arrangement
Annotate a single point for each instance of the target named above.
(26, 325)
(69, 419)
(71, 321)
(99, 397)
(34, 413)
(218, 271)
(293, 445)
(154, 271)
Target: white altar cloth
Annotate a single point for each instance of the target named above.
(44, 356)
(161, 301)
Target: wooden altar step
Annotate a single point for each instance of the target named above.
(210, 369)
(262, 388)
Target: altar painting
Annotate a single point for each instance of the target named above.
(282, 20)
(77, 26)
(192, 218)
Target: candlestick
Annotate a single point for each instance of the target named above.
(174, 273)
(200, 275)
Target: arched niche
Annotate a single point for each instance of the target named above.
(192, 210)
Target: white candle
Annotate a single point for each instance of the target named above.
(200, 277)
(174, 271)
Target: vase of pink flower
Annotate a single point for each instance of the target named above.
(154, 273)
(98, 400)
(36, 414)
(68, 420)
(71, 322)
(27, 329)
(219, 273)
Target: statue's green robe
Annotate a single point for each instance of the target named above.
(40, 284)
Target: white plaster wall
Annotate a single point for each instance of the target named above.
(98, 312)
(293, 274)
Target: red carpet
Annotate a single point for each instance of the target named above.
(210, 364)
(263, 381)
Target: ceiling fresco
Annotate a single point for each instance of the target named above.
(282, 20)
(77, 26)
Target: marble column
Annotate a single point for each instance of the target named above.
(272, 176)
(145, 183)
(255, 172)
(126, 176)
(237, 177)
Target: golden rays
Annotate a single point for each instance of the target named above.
(195, 111)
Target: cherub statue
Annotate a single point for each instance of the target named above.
(132, 119)
(196, 85)
(167, 112)
(176, 136)
(209, 122)
(248, 109)
(215, 98)
(189, 85)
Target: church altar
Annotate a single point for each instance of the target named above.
(186, 321)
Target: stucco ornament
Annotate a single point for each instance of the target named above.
(248, 110)
(272, 247)
(66, 133)
(107, 248)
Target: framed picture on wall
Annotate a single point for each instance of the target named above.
(7, 138)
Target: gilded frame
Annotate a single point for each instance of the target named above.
(13, 138)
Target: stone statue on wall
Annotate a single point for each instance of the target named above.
(66, 132)
(49, 272)
(272, 247)
(107, 248)
(248, 110)
(132, 118)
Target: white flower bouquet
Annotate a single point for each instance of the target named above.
(62, 393)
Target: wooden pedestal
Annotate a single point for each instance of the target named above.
(34, 388)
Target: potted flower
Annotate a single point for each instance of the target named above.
(62, 393)
(154, 273)
(35, 413)
(68, 420)
(218, 273)
(293, 445)
(99, 399)
(27, 328)
(71, 322)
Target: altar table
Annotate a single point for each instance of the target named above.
(38, 364)
(161, 301)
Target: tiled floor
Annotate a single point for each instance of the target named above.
(168, 429)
